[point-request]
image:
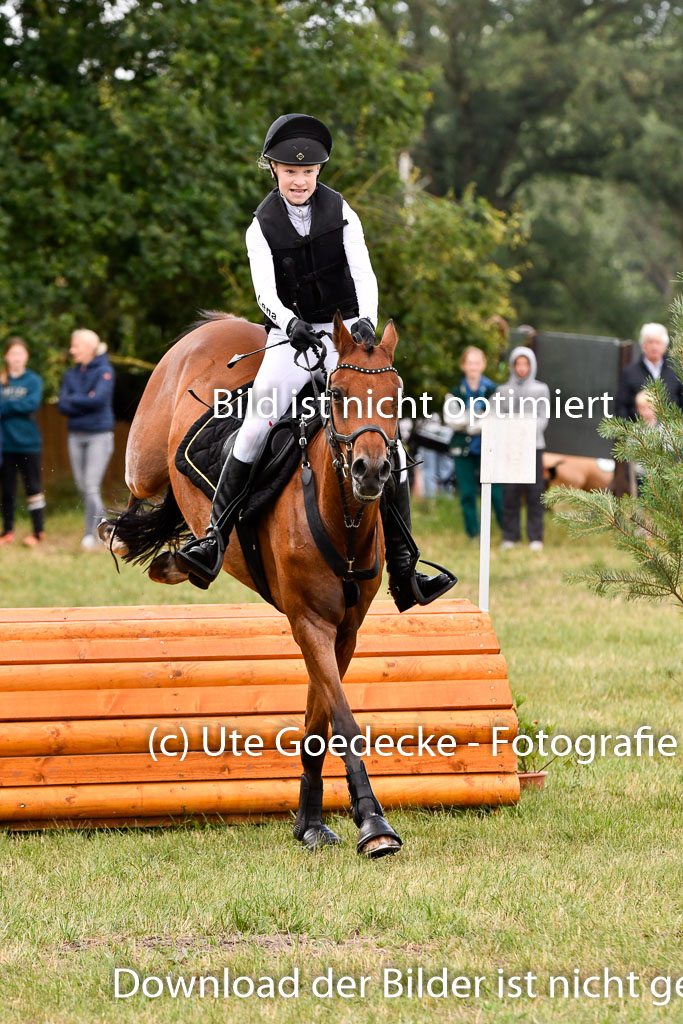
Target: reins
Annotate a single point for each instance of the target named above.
(340, 447)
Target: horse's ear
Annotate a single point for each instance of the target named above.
(340, 336)
(389, 339)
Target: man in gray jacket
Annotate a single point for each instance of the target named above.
(522, 393)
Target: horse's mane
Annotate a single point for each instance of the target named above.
(206, 316)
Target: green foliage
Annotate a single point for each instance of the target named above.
(129, 152)
(532, 727)
(129, 171)
(649, 526)
(574, 110)
(435, 260)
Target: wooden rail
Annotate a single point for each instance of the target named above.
(82, 690)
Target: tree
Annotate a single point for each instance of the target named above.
(536, 103)
(129, 167)
(649, 526)
(440, 281)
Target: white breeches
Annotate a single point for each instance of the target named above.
(279, 377)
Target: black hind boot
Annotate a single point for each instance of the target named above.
(202, 558)
(406, 586)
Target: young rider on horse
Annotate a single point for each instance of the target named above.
(308, 258)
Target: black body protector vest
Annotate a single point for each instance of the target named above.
(311, 271)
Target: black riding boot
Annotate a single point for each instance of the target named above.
(202, 558)
(406, 586)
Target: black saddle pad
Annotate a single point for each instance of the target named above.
(201, 454)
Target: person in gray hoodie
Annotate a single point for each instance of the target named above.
(524, 385)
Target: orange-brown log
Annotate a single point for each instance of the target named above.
(256, 609)
(230, 627)
(249, 672)
(160, 821)
(62, 652)
(127, 800)
(79, 769)
(131, 735)
(55, 705)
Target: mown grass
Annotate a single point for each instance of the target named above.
(584, 875)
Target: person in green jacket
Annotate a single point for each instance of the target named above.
(466, 441)
(21, 392)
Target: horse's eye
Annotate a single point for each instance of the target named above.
(336, 394)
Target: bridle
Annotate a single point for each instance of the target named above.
(335, 439)
(340, 447)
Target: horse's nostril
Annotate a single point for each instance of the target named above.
(359, 467)
(384, 471)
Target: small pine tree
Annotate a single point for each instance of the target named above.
(648, 526)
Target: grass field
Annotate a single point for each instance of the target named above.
(587, 874)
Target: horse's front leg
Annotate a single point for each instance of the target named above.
(321, 648)
(309, 828)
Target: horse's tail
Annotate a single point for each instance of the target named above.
(146, 528)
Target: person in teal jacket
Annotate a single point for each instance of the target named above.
(21, 392)
(466, 441)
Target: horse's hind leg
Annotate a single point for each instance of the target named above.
(106, 531)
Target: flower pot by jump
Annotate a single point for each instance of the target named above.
(529, 780)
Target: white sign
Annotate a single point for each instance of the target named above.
(508, 450)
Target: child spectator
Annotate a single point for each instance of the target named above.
(644, 409)
(21, 391)
(466, 441)
(523, 385)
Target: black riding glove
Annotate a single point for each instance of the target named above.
(363, 330)
(301, 335)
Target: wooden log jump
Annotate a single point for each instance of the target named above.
(83, 689)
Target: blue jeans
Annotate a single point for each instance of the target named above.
(89, 455)
(436, 469)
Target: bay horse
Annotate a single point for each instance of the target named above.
(350, 463)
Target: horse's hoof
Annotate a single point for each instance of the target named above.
(105, 531)
(318, 836)
(164, 569)
(376, 838)
(381, 847)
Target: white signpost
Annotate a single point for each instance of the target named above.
(508, 456)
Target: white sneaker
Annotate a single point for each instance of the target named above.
(536, 545)
(89, 542)
(507, 544)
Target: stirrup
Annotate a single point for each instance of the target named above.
(198, 572)
(407, 589)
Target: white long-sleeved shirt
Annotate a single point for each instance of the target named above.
(357, 255)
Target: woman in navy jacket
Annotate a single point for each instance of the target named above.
(86, 398)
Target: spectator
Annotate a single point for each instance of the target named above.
(86, 398)
(21, 391)
(645, 410)
(523, 385)
(652, 364)
(466, 440)
(432, 438)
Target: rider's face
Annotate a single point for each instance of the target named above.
(297, 184)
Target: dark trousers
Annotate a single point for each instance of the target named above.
(512, 504)
(467, 470)
(27, 464)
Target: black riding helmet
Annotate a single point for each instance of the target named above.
(298, 139)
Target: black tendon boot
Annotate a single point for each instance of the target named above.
(406, 586)
(373, 825)
(308, 827)
(202, 558)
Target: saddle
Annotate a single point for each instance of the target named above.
(206, 446)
